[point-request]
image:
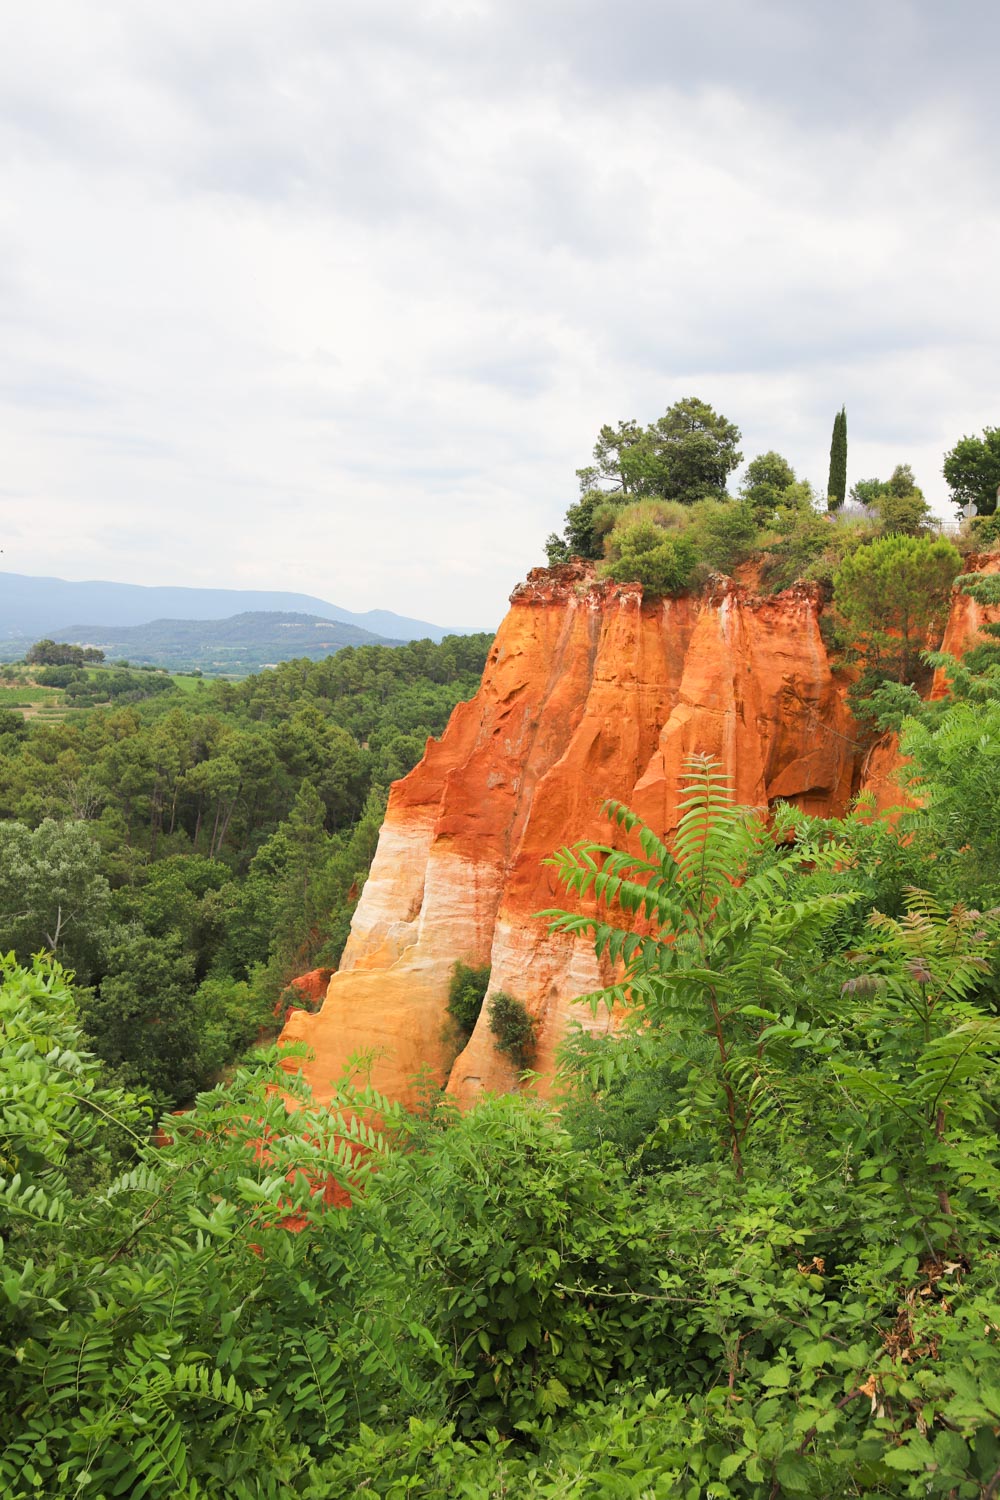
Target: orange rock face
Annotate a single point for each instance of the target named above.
(881, 777)
(966, 618)
(312, 986)
(882, 766)
(590, 691)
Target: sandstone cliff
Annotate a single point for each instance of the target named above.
(880, 772)
(590, 691)
(966, 618)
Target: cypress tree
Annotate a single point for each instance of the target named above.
(836, 487)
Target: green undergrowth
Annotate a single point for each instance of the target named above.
(755, 1253)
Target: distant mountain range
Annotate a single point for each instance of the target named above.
(244, 643)
(34, 607)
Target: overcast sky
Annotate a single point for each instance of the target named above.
(335, 294)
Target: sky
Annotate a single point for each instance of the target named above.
(334, 295)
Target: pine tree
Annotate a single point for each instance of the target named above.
(836, 487)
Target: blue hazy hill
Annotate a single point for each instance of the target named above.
(33, 607)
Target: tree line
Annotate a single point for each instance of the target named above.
(654, 504)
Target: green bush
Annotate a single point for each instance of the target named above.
(466, 994)
(984, 531)
(512, 1026)
(646, 555)
(907, 514)
(59, 677)
(726, 533)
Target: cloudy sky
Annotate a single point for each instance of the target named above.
(334, 294)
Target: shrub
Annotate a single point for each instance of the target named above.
(726, 532)
(59, 677)
(647, 555)
(465, 995)
(512, 1026)
(12, 725)
(984, 531)
(902, 507)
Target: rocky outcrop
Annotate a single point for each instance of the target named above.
(966, 618)
(590, 691)
(307, 990)
(882, 777)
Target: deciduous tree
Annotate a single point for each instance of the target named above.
(972, 469)
(686, 455)
(766, 479)
(53, 897)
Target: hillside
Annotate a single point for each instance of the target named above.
(234, 647)
(34, 607)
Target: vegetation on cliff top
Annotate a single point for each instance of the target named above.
(654, 506)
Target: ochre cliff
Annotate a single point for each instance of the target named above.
(966, 618)
(590, 691)
(882, 766)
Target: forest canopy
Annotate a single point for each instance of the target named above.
(187, 855)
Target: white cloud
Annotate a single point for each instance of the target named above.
(336, 297)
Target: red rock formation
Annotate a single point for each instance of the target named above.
(590, 692)
(881, 776)
(309, 989)
(881, 772)
(966, 618)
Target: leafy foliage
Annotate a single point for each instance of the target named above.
(766, 479)
(466, 993)
(892, 593)
(757, 1255)
(684, 455)
(647, 555)
(513, 1027)
(972, 471)
(53, 895)
(725, 946)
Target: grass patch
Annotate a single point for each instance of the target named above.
(19, 697)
